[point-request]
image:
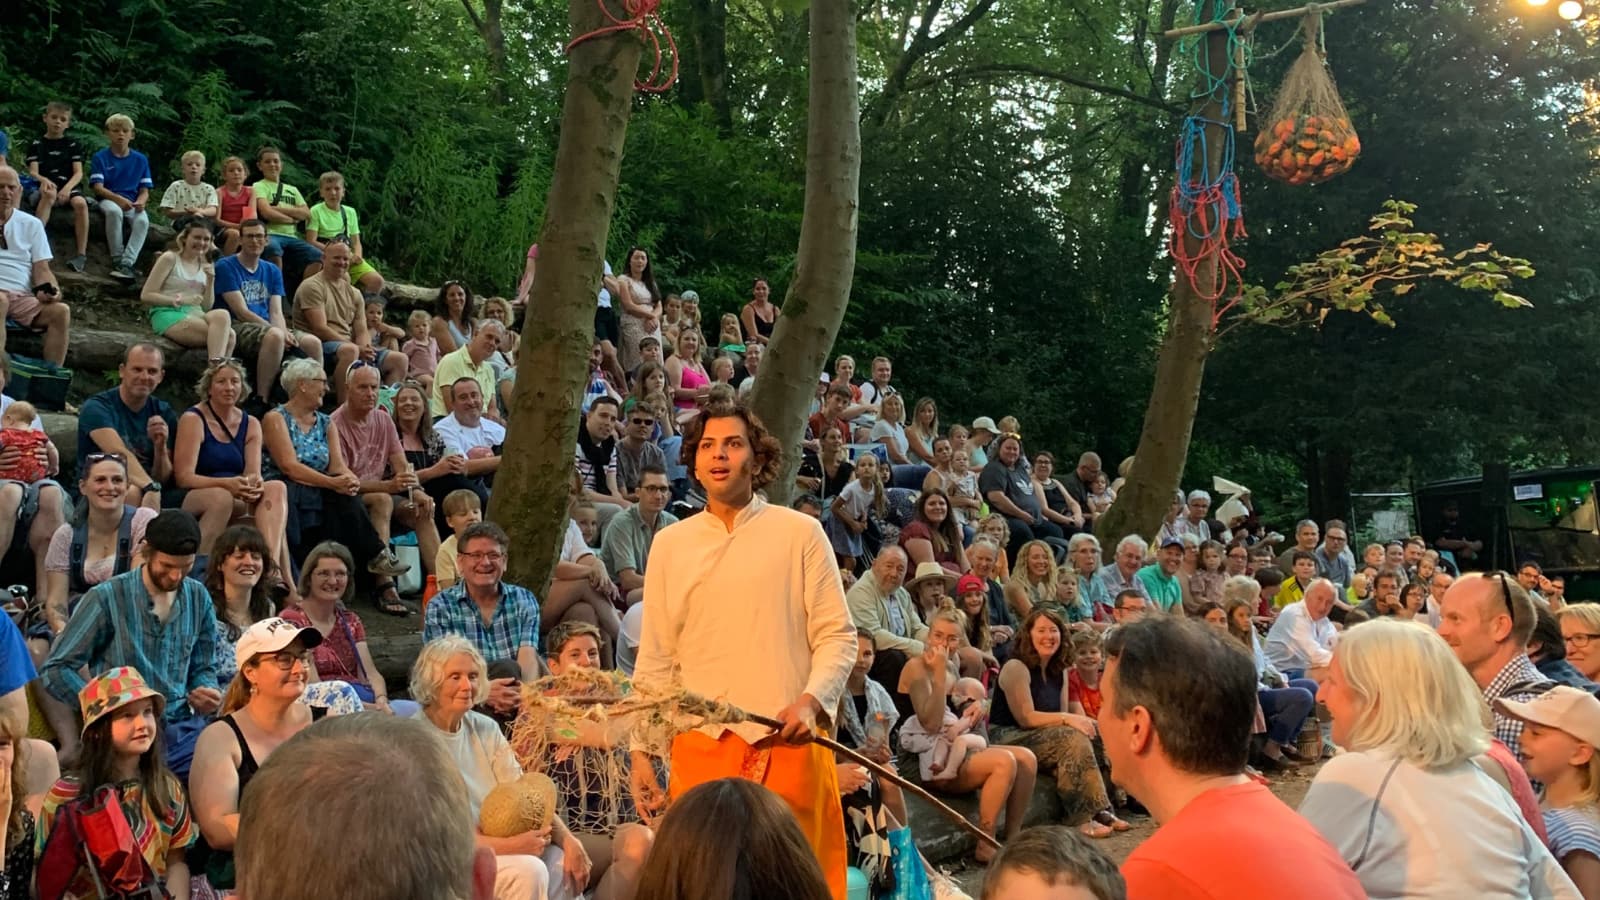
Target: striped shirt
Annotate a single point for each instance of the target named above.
(115, 625)
(1518, 681)
(515, 623)
(156, 833)
(1573, 830)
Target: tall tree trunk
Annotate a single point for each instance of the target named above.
(535, 477)
(494, 41)
(1180, 367)
(711, 59)
(825, 266)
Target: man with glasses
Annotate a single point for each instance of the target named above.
(499, 618)
(1488, 619)
(251, 289)
(625, 547)
(329, 306)
(1236, 561)
(1130, 606)
(29, 295)
(371, 448)
(1331, 559)
(154, 619)
(635, 452)
(129, 421)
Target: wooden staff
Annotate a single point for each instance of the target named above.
(1264, 17)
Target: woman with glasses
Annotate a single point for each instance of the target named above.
(264, 707)
(1580, 629)
(326, 587)
(216, 457)
(452, 317)
(323, 493)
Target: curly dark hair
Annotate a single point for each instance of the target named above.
(768, 452)
(1025, 653)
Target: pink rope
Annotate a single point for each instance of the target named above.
(644, 17)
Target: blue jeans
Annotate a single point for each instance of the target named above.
(1286, 709)
(178, 739)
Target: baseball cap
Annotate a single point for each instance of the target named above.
(969, 583)
(1171, 540)
(1566, 708)
(173, 532)
(985, 423)
(270, 636)
(825, 378)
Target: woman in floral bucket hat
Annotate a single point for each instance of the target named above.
(121, 752)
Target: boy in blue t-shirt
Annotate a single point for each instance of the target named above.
(122, 181)
(55, 170)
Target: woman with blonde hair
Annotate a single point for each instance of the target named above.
(922, 430)
(1580, 628)
(1559, 745)
(1033, 581)
(1408, 804)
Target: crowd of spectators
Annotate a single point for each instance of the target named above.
(199, 611)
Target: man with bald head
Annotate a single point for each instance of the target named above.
(1077, 484)
(1488, 619)
(1300, 644)
(29, 295)
(880, 603)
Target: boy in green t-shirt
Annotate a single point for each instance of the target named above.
(282, 207)
(331, 220)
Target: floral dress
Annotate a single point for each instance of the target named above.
(17, 876)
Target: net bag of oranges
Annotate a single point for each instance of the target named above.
(1307, 139)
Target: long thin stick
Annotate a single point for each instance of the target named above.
(883, 771)
(1262, 17)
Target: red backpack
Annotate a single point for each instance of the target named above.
(93, 832)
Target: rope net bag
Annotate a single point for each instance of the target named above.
(1308, 138)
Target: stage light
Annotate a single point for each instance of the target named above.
(1537, 2)
(1570, 10)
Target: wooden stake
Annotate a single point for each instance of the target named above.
(1263, 17)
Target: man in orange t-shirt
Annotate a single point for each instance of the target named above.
(1189, 773)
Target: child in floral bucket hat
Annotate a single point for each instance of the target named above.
(120, 756)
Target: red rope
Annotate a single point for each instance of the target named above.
(643, 16)
(1209, 223)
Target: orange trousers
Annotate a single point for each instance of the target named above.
(803, 776)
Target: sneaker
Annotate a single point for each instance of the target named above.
(77, 263)
(123, 272)
(386, 563)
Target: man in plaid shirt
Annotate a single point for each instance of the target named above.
(1488, 619)
(499, 618)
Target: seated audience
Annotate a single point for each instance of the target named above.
(1205, 582)
(390, 490)
(467, 433)
(120, 767)
(264, 707)
(581, 588)
(501, 620)
(933, 535)
(1160, 579)
(33, 508)
(1547, 650)
(330, 308)
(1059, 505)
(452, 325)
(597, 455)
(1007, 484)
(982, 555)
(236, 205)
(342, 775)
(1083, 555)
(121, 180)
(1412, 727)
(626, 546)
(250, 290)
(1300, 643)
(1580, 629)
(54, 170)
(283, 208)
(686, 371)
(1033, 580)
(882, 607)
(1179, 746)
(905, 470)
(1558, 746)
(130, 421)
(1051, 861)
(1081, 485)
(1003, 775)
(634, 450)
(178, 294)
(440, 471)
(1118, 575)
(449, 678)
(29, 294)
(332, 221)
(921, 431)
(305, 453)
(326, 588)
(217, 461)
(992, 642)
(462, 509)
(1285, 703)
(190, 197)
(470, 360)
(1487, 621)
(112, 627)
(1031, 711)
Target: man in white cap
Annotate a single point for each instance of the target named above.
(983, 434)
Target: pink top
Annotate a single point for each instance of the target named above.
(691, 379)
(423, 356)
(367, 446)
(234, 207)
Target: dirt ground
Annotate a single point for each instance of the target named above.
(1290, 787)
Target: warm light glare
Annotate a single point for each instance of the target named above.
(1537, 2)
(1569, 9)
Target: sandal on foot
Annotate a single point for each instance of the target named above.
(389, 603)
(1109, 819)
(1095, 830)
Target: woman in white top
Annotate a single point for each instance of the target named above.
(178, 295)
(636, 289)
(1409, 804)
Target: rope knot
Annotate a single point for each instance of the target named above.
(643, 16)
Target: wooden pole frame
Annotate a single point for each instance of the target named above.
(1264, 17)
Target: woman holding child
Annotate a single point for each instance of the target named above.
(1031, 710)
(1003, 775)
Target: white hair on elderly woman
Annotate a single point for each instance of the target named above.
(1240, 587)
(1413, 698)
(300, 370)
(427, 673)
